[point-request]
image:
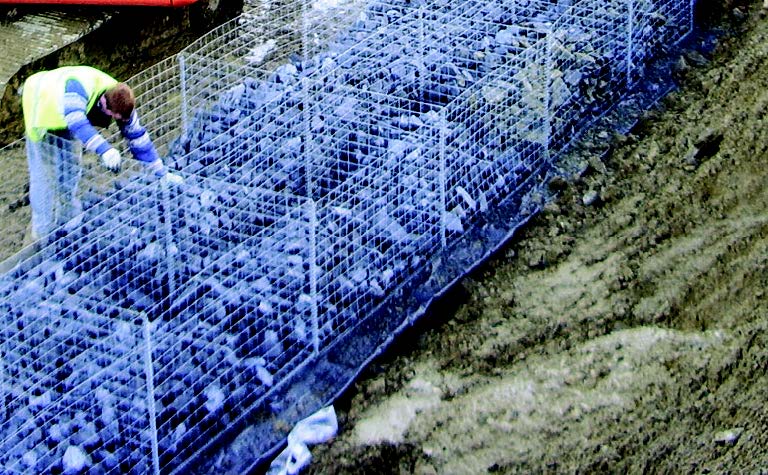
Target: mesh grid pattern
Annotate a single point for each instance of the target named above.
(326, 165)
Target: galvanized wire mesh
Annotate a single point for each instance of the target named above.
(73, 380)
(325, 165)
(14, 198)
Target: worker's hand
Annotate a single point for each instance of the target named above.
(172, 179)
(111, 159)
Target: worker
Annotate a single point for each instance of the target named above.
(61, 109)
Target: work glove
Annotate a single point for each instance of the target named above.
(111, 159)
(172, 179)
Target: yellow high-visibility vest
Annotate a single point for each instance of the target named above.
(43, 96)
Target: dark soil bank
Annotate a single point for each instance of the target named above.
(627, 335)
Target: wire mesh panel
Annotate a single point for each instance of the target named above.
(240, 110)
(427, 67)
(146, 240)
(55, 174)
(587, 70)
(377, 178)
(251, 136)
(235, 330)
(654, 25)
(494, 140)
(173, 255)
(276, 38)
(14, 186)
(60, 190)
(159, 102)
(118, 252)
(63, 182)
(74, 387)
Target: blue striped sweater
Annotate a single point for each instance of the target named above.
(76, 117)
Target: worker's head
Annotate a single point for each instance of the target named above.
(118, 101)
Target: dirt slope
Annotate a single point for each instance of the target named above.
(624, 336)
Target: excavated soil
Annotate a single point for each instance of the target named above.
(627, 335)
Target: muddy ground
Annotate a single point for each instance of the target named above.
(624, 336)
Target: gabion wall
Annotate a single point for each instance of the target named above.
(325, 169)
